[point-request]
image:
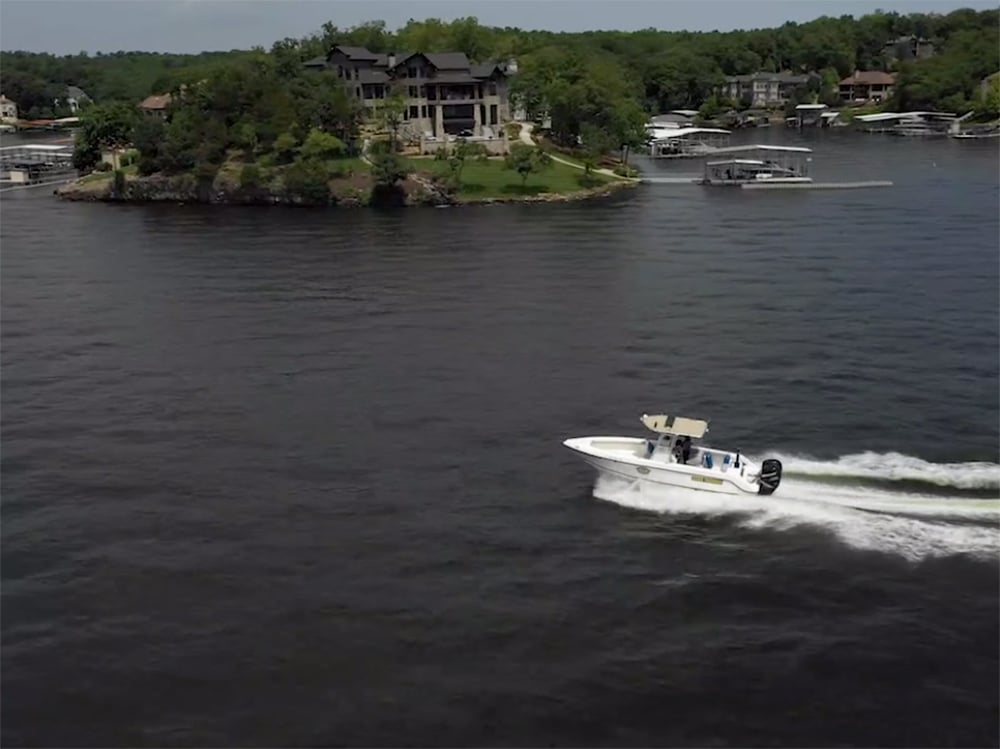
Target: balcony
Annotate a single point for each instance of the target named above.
(453, 93)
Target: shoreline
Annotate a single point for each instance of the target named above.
(411, 192)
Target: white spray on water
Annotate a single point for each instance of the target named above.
(913, 525)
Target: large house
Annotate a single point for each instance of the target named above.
(73, 98)
(444, 92)
(764, 90)
(867, 85)
(8, 109)
(156, 105)
(908, 48)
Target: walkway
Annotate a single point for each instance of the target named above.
(525, 135)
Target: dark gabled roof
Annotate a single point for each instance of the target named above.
(486, 70)
(316, 62)
(373, 76)
(869, 78)
(404, 57)
(781, 77)
(355, 53)
(448, 60)
(382, 58)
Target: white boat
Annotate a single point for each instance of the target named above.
(672, 460)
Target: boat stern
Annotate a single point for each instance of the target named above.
(770, 476)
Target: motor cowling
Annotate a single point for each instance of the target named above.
(770, 476)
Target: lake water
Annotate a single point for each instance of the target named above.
(278, 477)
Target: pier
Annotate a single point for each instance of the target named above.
(695, 179)
(816, 185)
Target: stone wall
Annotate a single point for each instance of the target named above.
(494, 146)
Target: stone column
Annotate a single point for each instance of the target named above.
(476, 110)
(439, 120)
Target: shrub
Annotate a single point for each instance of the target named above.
(250, 176)
(284, 148)
(104, 166)
(119, 185)
(320, 145)
(307, 180)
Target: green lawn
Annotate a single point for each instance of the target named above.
(356, 165)
(490, 179)
(97, 176)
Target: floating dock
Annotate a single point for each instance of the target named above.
(763, 185)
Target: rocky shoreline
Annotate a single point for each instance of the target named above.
(355, 192)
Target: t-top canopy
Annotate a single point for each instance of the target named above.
(675, 425)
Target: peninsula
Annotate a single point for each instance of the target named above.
(473, 113)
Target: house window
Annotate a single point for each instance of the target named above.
(357, 92)
(414, 112)
(411, 72)
(482, 114)
(493, 114)
(492, 88)
(340, 71)
(422, 91)
(423, 110)
(412, 91)
(432, 93)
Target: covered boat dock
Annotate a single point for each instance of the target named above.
(687, 142)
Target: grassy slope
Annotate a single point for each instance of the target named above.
(98, 176)
(490, 179)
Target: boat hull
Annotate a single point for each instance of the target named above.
(623, 458)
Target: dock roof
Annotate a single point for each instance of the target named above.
(753, 148)
(667, 133)
(886, 116)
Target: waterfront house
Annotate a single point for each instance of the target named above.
(8, 109)
(907, 48)
(445, 93)
(867, 85)
(155, 105)
(764, 90)
(73, 98)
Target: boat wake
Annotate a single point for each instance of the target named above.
(885, 502)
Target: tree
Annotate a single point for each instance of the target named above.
(527, 160)
(462, 152)
(149, 134)
(988, 101)
(322, 146)
(103, 126)
(389, 116)
(388, 169)
(596, 143)
(245, 137)
(308, 180)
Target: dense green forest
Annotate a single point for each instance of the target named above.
(660, 69)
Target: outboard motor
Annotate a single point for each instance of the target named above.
(770, 476)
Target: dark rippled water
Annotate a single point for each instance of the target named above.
(288, 477)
